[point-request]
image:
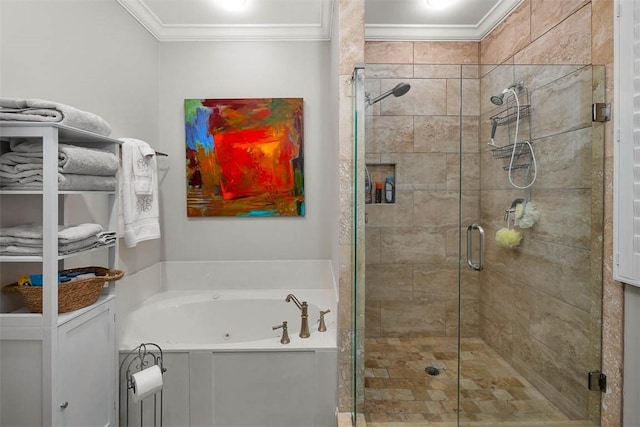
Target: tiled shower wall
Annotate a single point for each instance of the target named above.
(412, 245)
(564, 251)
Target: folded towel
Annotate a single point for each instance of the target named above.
(71, 158)
(28, 250)
(20, 241)
(75, 233)
(20, 168)
(80, 245)
(66, 233)
(20, 250)
(65, 182)
(142, 168)
(139, 213)
(25, 231)
(103, 238)
(107, 237)
(12, 158)
(26, 176)
(40, 110)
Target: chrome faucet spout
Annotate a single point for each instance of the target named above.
(304, 307)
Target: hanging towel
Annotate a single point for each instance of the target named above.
(41, 110)
(143, 171)
(139, 213)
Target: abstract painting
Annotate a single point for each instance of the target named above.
(245, 157)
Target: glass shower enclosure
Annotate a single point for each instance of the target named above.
(478, 282)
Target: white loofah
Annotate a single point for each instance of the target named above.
(530, 216)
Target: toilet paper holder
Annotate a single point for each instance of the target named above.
(141, 358)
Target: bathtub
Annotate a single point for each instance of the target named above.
(229, 320)
(225, 363)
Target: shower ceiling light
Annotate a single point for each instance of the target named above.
(439, 4)
(232, 5)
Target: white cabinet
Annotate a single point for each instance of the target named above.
(56, 369)
(86, 358)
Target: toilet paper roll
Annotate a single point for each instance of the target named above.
(145, 383)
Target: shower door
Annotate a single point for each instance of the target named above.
(450, 330)
(530, 321)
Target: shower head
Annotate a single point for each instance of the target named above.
(499, 99)
(398, 90)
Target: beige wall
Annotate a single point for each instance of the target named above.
(350, 21)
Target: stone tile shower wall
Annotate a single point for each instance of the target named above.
(412, 245)
(541, 307)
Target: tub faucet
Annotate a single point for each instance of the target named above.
(285, 334)
(304, 328)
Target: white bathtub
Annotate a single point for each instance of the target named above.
(229, 320)
(225, 364)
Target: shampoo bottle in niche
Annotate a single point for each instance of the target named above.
(367, 188)
(378, 192)
(389, 190)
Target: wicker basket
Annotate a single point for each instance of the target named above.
(72, 295)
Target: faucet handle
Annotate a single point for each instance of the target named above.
(322, 327)
(285, 334)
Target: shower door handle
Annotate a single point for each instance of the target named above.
(480, 263)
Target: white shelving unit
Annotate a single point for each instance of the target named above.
(56, 369)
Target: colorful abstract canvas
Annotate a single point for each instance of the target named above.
(245, 157)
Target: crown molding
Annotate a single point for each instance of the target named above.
(475, 32)
(320, 30)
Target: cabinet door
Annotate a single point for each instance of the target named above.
(86, 350)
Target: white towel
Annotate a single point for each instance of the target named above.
(142, 169)
(70, 248)
(41, 110)
(66, 233)
(139, 213)
(32, 180)
(71, 158)
(20, 250)
(105, 237)
(20, 241)
(12, 158)
(75, 233)
(25, 231)
(77, 246)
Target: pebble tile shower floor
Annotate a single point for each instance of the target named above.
(399, 392)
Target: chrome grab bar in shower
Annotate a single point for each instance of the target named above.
(480, 265)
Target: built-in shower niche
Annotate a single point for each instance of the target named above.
(380, 174)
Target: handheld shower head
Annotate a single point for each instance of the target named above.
(499, 99)
(494, 127)
(398, 90)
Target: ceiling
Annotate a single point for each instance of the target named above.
(182, 20)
